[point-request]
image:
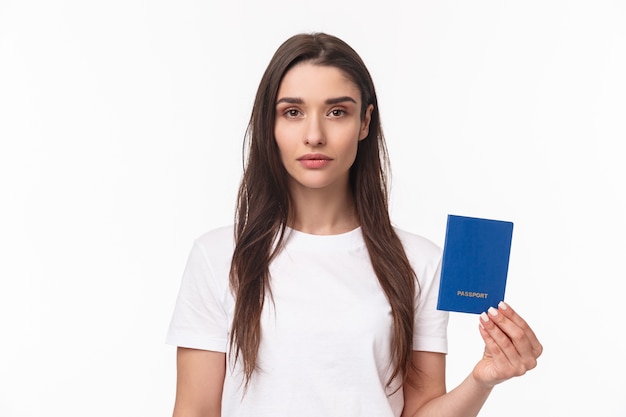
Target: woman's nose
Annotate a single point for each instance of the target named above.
(314, 135)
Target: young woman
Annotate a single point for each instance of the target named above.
(313, 304)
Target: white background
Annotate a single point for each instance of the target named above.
(121, 125)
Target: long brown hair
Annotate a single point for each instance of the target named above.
(263, 204)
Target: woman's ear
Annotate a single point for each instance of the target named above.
(365, 123)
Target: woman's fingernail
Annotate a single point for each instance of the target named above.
(502, 305)
(492, 311)
(484, 317)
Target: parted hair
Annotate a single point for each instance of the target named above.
(264, 205)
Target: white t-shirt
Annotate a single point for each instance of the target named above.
(325, 338)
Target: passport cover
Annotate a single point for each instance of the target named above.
(475, 264)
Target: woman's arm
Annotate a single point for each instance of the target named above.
(511, 349)
(199, 383)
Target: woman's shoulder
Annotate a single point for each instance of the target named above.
(416, 240)
(417, 245)
(424, 256)
(218, 241)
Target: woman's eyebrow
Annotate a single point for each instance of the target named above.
(298, 100)
(290, 100)
(340, 100)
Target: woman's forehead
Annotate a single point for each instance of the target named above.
(308, 80)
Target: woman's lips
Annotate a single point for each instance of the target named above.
(314, 160)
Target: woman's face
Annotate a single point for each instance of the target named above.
(318, 126)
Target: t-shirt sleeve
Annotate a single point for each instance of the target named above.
(431, 325)
(200, 319)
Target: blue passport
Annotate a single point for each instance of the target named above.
(475, 264)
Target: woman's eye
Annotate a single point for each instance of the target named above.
(337, 112)
(292, 113)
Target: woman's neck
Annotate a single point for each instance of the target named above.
(323, 212)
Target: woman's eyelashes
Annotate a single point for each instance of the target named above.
(338, 112)
(292, 113)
